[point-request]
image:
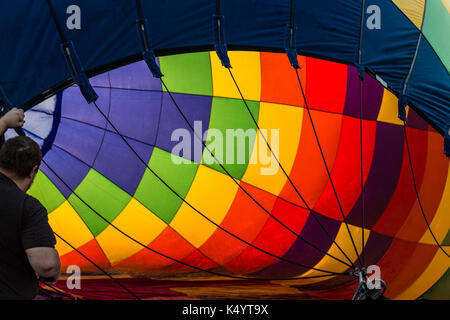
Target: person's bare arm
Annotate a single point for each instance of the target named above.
(14, 118)
(45, 262)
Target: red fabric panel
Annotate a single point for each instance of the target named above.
(91, 250)
(274, 238)
(221, 246)
(308, 172)
(169, 243)
(346, 173)
(326, 85)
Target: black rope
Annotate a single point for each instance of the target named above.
(326, 166)
(196, 210)
(175, 260)
(55, 19)
(96, 265)
(313, 213)
(243, 189)
(246, 278)
(20, 132)
(417, 192)
(361, 165)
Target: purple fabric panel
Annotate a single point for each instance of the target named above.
(134, 76)
(79, 139)
(102, 80)
(376, 247)
(416, 121)
(69, 168)
(383, 177)
(135, 114)
(195, 108)
(303, 253)
(74, 106)
(117, 162)
(372, 96)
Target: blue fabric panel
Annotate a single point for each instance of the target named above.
(108, 30)
(259, 23)
(178, 24)
(389, 51)
(31, 56)
(429, 86)
(329, 28)
(32, 61)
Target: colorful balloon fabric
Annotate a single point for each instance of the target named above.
(160, 204)
(102, 170)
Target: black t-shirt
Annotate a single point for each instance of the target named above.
(23, 225)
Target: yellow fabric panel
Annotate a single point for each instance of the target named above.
(441, 221)
(263, 170)
(136, 221)
(66, 222)
(389, 109)
(413, 9)
(344, 241)
(212, 193)
(246, 69)
(435, 270)
(446, 4)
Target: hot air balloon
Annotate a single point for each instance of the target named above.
(286, 143)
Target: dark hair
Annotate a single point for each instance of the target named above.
(19, 155)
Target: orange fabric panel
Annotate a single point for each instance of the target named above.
(308, 172)
(346, 171)
(221, 246)
(412, 269)
(279, 83)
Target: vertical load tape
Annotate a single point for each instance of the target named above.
(77, 73)
(289, 46)
(148, 53)
(75, 67)
(220, 44)
(290, 38)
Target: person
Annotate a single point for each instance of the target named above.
(27, 241)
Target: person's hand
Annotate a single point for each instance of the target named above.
(15, 118)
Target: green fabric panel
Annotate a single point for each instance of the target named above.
(156, 196)
(440, 290)
(188, 73)
(436, 29)
(227, 113)
(103, 196)
(46, 192)
(446, 241)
